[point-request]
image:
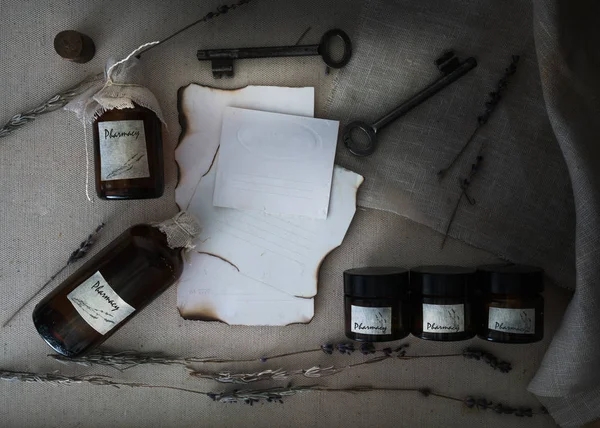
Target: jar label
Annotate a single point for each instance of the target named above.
(371, 320)
(123, 152)
(519, 321)
(98, 304)
(443, 318)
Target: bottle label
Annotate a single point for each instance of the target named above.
(443, 318)
(98, 304)
(519, 321)
(123, 152)
(371, 320)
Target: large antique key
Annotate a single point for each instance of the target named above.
(222, 59)
(360, 137)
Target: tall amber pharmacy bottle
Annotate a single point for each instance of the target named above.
(113, 286)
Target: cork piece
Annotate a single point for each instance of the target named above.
(74, 46)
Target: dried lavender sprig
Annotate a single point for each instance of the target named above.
(220, 10)
(79, 253)
(484, 404)
(243, 378)
(53, 103)
(490, 106)
(59, 379)
(62, 98)
(98, 380)
(271, 395)
(317, 371)
(464, 186)
(277, 395)
(488, 358)
(127, 359)
(251, 396)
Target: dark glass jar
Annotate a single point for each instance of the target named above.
(101, 296)
(442, 302)
(128, 154)
(376, 304)
(510, 306)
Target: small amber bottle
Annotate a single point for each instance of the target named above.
(376, 304)
(128, 154)
(442, 302)
(511, 306)
(98, 299)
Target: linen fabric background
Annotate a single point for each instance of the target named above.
(44, 213)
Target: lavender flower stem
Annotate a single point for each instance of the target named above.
(79, 253)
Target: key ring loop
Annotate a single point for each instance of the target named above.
(355, 148)
(323, 49)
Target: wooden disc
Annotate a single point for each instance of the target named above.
(74, 46)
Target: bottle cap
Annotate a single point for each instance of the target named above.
(442, 280)
(376, 282)
(510, 279)
(74, 46)
(181, 230)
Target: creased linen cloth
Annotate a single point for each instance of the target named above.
(567, 35)
(524, 207)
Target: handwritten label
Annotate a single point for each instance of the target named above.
(371, 320)
(98, 304)
(519, 321)
(443, 318)
(123, 152)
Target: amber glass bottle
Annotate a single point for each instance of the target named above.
(128, 154)
(94, 302)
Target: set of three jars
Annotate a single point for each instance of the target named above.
(499, 303)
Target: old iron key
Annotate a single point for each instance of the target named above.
(452, 69)
(222, 59)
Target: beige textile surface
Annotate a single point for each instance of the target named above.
(44, 215)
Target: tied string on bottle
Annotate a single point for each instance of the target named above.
(116, 91)
(181, 230)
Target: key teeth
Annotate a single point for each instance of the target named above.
(446, 56)
(448, 62)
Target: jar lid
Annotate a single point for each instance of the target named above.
(442, 280)
(376, 282)
(510, 279)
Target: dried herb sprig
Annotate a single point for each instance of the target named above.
(98, 380)
(484, 404)
(277, 395)
(489, 359)
(62, 98)
(464, 186)
(126, 359)
(269, 395)
(317, 371)
(76, 255)
(220, 10)
(490, 106)
(53, 103)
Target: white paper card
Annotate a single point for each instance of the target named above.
(275, 163)
(215, 290)
(201, 110)
(283, 252)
